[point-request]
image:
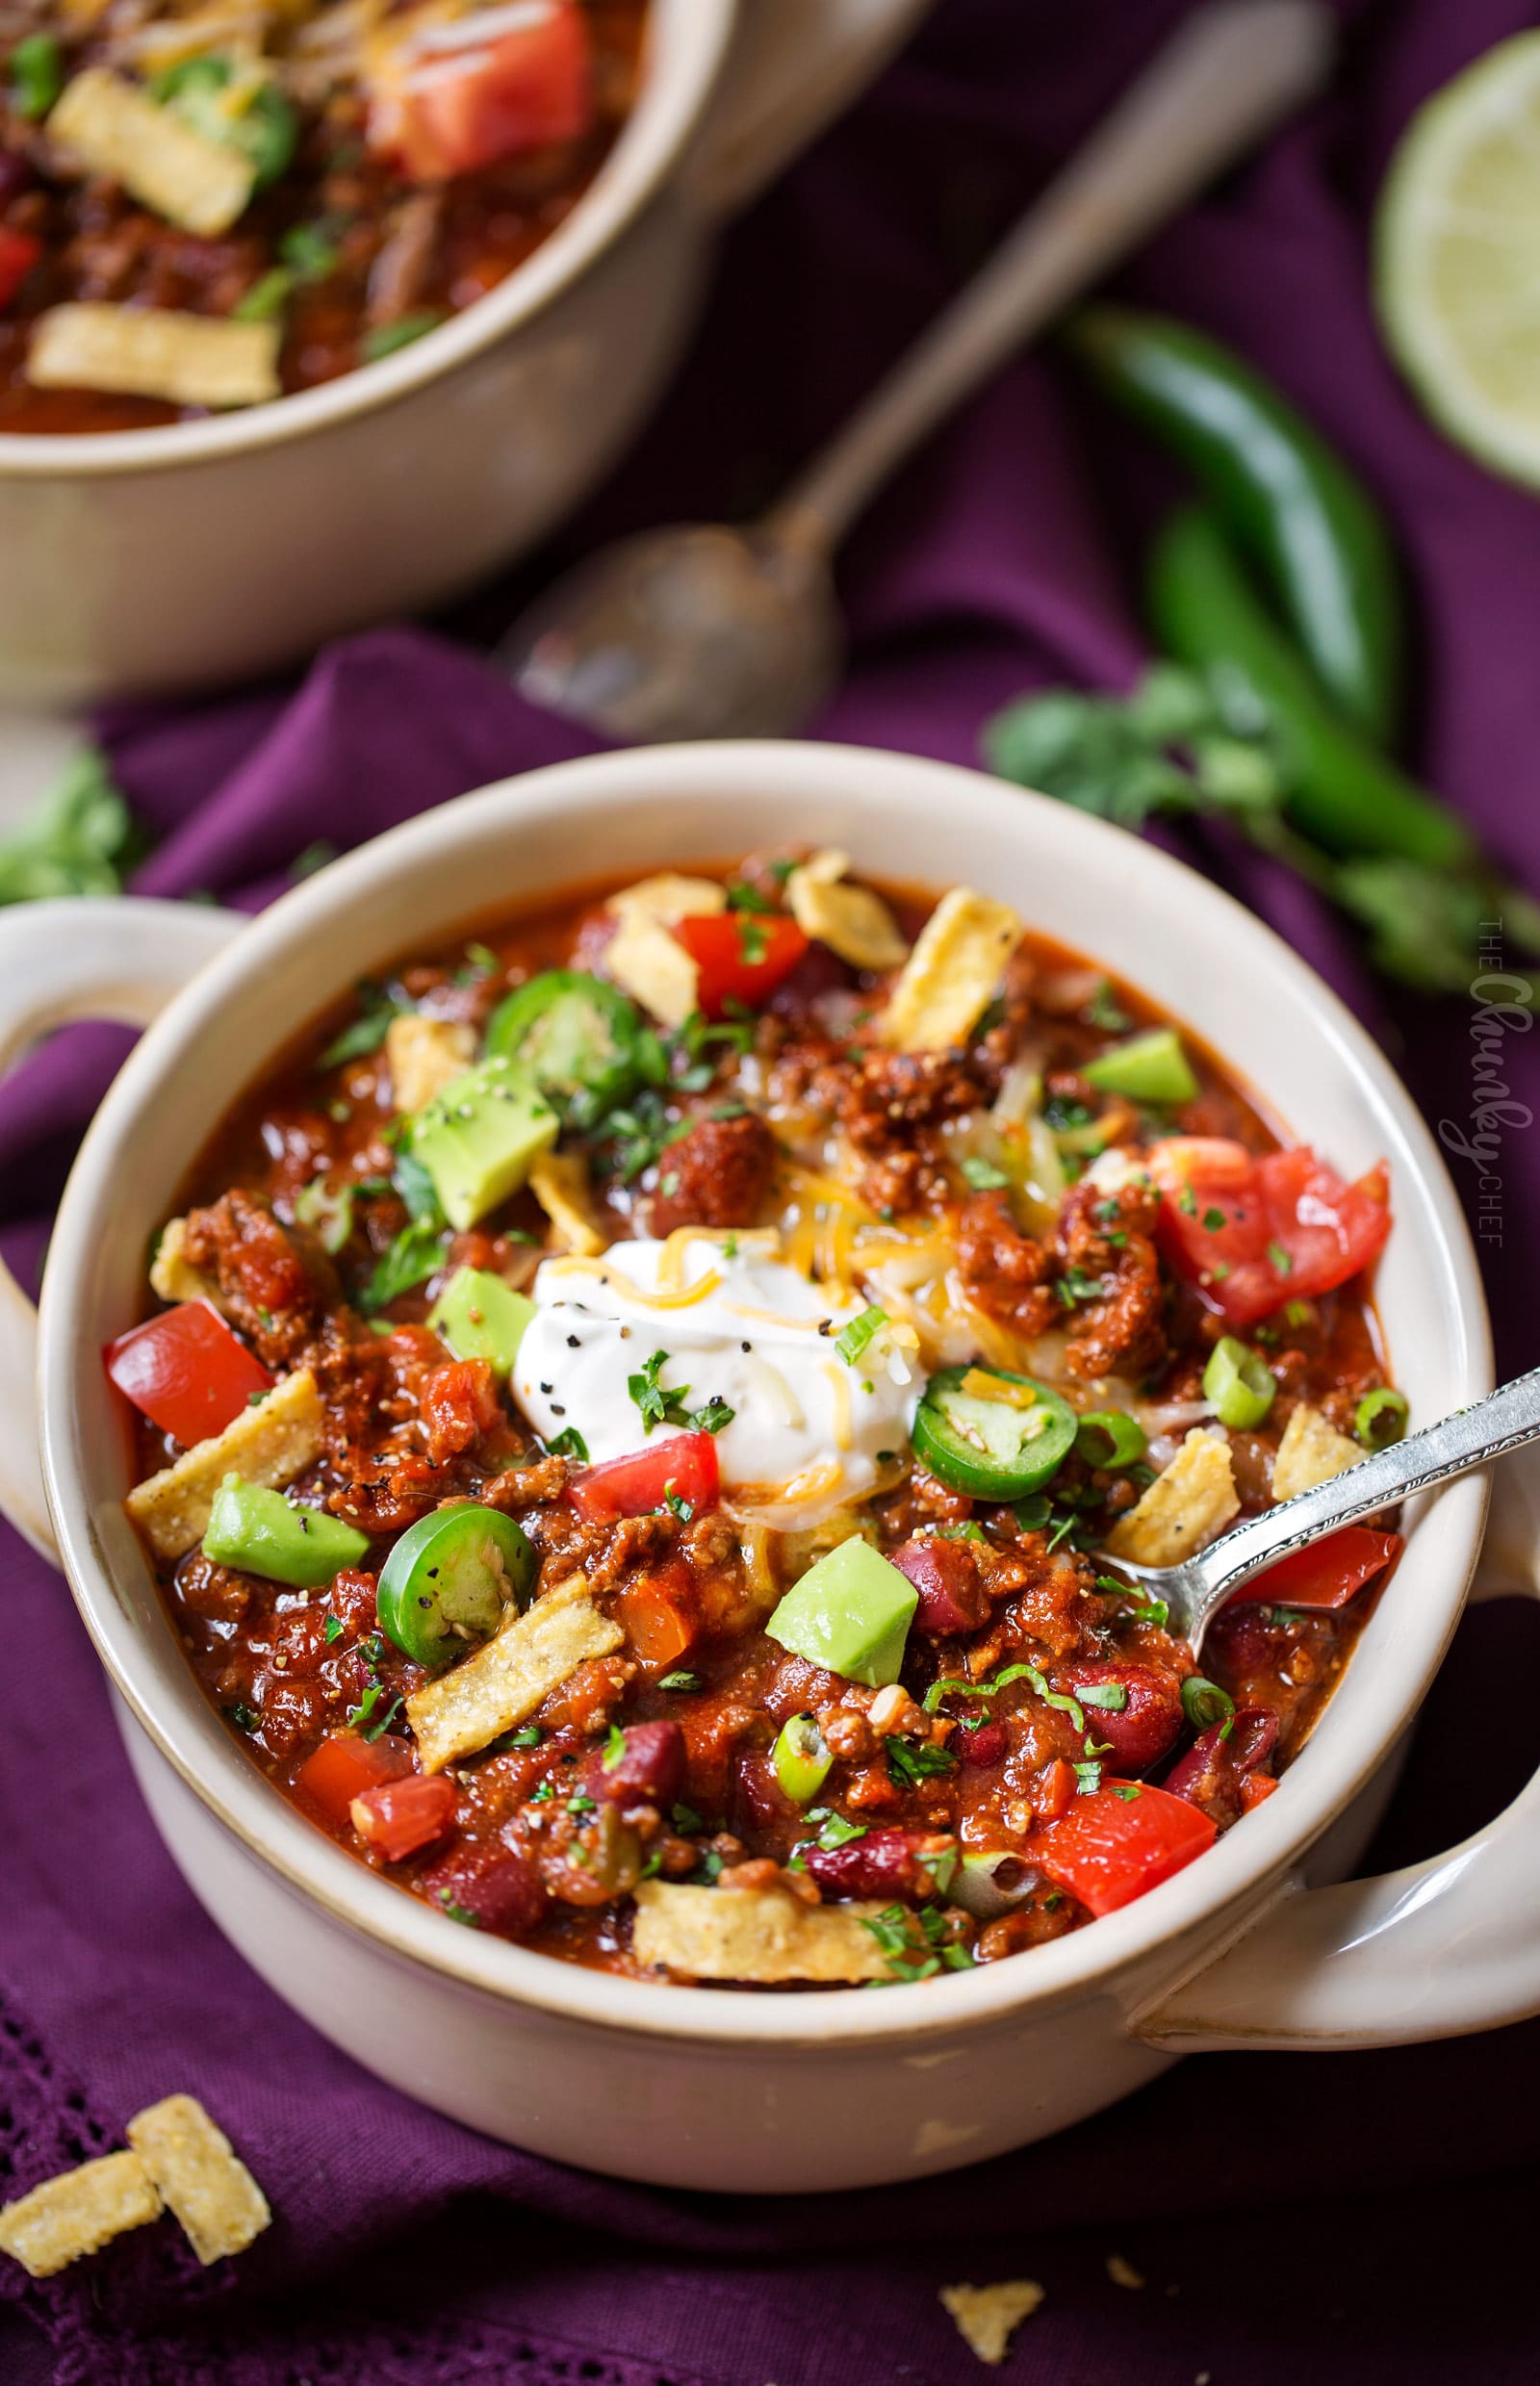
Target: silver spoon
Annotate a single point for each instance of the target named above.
(1198, 1589)
(708, 631)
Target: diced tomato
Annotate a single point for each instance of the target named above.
(1328, 1573)
(684, 1463)
(741, 956)
(1116, 1842)
(1253, 1233)
(404, 1815)
(346, 1766)
(20, 252)
(450, 97)
(458, 1403)
(657, 1614)
(188, 1371)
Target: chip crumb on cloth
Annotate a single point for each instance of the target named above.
(988, 2316)
(199, 2175)
(177, 2159)
(78, 2212)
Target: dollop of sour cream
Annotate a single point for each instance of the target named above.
(809, 1431)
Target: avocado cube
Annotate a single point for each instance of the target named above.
(259, 1531)
(850, 1614)
(478, 1138)
(480, 1316)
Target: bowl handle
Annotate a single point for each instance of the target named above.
(118, 958)
(1432, 1951)
(793, 65)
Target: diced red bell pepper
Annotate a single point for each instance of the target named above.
(404, 1815)
(741, 956)
(187, 1371)
(458, 95)
(345, 1766)
(20, 252)
(1116, 1842)
(657, 1613)
(457, 1404)
(1328, 1573)
(684, 1463)
(1254, 1233)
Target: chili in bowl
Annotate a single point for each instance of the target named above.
(651, 1398)
(673, 2074)
(209, 208)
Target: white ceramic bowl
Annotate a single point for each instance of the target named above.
(709, 2088)
(203, 551)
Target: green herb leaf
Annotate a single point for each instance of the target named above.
(681, 1679)
(410, 1260)
(982, 1174)
(853, 1342)
(376, 1009)
(79, 841)
(912, 1761)
(37, 75)
(569, 1443)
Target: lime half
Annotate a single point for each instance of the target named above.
(1458, 257)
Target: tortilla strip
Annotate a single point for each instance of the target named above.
(559, 1183)
(78, 2212)
(115, 129)
(853, 921)
(134, 351)
(1186, 1504)
(1311, 1452)
(173, 1276)
(423, 1057)
(199, 2175)
(508, 1677)
(951, 974)
(764, 1934)
(270, 1444)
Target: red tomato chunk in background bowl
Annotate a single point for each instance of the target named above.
(647, 1410)
(196, 216)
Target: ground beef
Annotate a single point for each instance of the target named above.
(1007, 1274)
(1108, 1237)
(267, 1288)
(716, 1175)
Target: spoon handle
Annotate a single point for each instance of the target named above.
(1504, 1420)
(1230, 73)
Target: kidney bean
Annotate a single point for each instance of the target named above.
(766, 1807)
(499, 1887)
(1142, 1732)
(818, 972)
(649, 1772)
(946, 1575)
(1215, 1771)
(982, 1743)
(882, 1865)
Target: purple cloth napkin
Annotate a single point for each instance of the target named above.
(1344, 2214)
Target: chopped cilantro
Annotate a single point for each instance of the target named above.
(982, 1174)
(1282, 1262)
(682, 1680)
(912, 1761)
(1214, 1219)
(335, 1627)
(569, 1443)
(458, 1913)
(614, 1748)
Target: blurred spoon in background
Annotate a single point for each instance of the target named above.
(707, 630)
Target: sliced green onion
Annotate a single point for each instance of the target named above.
(1204, 1703)
(328, 1214)
(1109, 1437)
(1380, 1418)
(1239, 1384)
(386, 338)
(801, 1758)
(37, 75)
(266, 298)
(858, 1333)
